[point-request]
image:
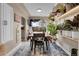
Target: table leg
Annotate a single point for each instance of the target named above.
(31, 44)
(34, 47)
(46, 44)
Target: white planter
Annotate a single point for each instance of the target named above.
(59, 32)
(67, 33)
(63, 33)
(75, 34)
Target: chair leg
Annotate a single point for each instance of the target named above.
(35, 49)
(46, 45)
(31, 44)
(43, 48)
(40, 46)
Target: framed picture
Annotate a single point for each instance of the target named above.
(17, 18)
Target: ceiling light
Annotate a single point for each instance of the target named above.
(39, 10)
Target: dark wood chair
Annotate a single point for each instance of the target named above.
(39, 41)
(31, 41)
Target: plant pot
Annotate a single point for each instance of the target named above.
(75, 34)
(54, 38)
(67, 33)
(64, 33)
(68, 7)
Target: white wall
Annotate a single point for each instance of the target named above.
(78, 47)
(20, 10)
(0, 23)
(7, 17)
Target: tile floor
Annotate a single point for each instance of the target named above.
(53, 50)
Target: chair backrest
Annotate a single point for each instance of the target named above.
(39, 35)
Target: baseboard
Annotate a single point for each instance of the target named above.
(63, 49)
(13, 50)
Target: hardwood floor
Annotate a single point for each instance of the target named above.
(7, 47)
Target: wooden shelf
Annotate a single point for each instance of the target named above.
(70, 13)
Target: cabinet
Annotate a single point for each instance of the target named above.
(68, 40)
(6, 23)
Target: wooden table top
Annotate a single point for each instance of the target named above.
(46, 34)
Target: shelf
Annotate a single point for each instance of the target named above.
(70, 12)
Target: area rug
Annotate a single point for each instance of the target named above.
(53, 50)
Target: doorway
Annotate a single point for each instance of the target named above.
(23, 22)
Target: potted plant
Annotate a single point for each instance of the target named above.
(52, 28)
(67, 28)
(60, 28)
(69, 6)
(61, 8)
(75, 33)
(67, 25)
(51, 17)
(75, 23)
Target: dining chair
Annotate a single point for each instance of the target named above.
(39, 41)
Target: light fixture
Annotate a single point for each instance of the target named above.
(39, 10)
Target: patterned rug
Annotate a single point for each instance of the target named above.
(53, 50)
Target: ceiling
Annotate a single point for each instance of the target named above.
(45, 7)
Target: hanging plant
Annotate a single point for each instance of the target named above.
(76, 22)
(51, 17)
(61, 8)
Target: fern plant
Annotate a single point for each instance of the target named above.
(52, 28)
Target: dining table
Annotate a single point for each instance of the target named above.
(47, 39)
